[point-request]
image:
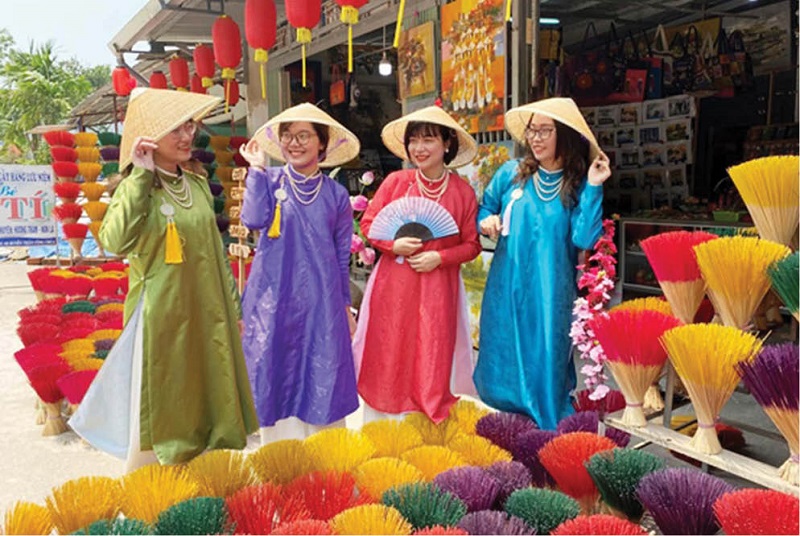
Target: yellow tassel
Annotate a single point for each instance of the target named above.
(173, 252)
(304, 36)
(227, 94)
(508, 10)
(399, 26)
(261, 57)
(275, 228)
(349, 16)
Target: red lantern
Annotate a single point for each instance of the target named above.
(196, 84)
(227, 49)
(179, 72)
(233, 92)
(158, 80)
(204, 64)
(303, 15)
(349, 16)
(122, 81)
(260, 27)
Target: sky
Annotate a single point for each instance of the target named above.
(79, 28)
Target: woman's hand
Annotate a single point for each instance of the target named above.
(491, 226)
(351, 321)
(142, 153)
(403, 247)
(426, 261)
(599, 171)
(253, 154)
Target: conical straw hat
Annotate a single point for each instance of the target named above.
(394, 133)
(343, 145)
(561, 109)
(157, 112)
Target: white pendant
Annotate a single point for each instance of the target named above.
(167, 210)
(280, 194)
(516, 194)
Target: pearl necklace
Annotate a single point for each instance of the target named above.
(305, 197)
(547, 190)
(435, 192)
(180, 194)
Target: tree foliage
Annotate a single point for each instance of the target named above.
(38, 88)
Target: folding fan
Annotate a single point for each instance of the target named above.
(417, 217)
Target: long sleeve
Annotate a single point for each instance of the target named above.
(382, 197)
(470, 245)
(222, 259)
(342, 238)
(587, 216)
(492, 202)
(258, 204)
(127, 212)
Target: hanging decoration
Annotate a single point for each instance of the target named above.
(227, 50)
(303, 15)
(260, 28)
(399, 27)
(350, 17)
(203, 57)
(158, 80)
(196, 85)
(179, 72)
(122, 81)
(233, 93)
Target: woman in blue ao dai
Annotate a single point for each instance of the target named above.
(542, 209)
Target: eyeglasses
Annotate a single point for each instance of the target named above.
(543, 133)
(302, 137)
(189, 128)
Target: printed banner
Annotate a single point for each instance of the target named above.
(26, 206)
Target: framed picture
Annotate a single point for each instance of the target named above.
(661, 197)
(612, 157)
(679, 106)
(608, 116)
(416, 58)
(607, 137)
(590, 115)
(628, 180)
(678, 130)
(653, 155)
(474, 274)
(653, 178)
(490, 157)
(629, 113)
(679, 153)
(626, 136)
(649, 134)
(473, 63)
(654, 111)
(676, 176)
(629, 158)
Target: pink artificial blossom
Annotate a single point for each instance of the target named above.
(367, 256)
(597, 280)
(359, 203)
(356, 244)
(367, 178)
